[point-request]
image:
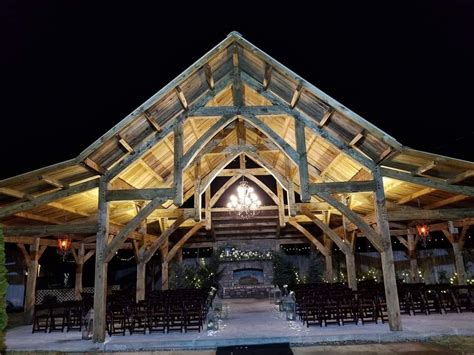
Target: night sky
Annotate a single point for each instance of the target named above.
(72, 70)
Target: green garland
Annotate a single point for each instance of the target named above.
(3, 292)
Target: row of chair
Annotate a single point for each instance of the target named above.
(54, 317)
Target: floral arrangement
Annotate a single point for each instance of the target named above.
(234, 254)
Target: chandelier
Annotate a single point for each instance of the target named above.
(246, 203)
(424, 233)
(64, 246)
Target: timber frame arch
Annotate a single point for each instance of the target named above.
(129, 186)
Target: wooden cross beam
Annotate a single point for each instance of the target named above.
(47, 198)
(341, 187)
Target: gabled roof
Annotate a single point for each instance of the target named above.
(208, 82)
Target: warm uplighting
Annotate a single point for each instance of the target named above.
(246, 203)
(424, 232)
(64, 246)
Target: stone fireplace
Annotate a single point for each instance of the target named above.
(249, 272)
(248, 277)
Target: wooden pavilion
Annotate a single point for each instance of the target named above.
(126, 190)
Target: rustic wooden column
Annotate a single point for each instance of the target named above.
(100, 281)
(413, 260)
(30, 293)
(197, 188)
(291, 188)
(178, 157)
(459, 262)
(388, 267)
(179, 256)
(328, 258)
(351, 270)
(281, 206)
(141, 280)
(207, 207)
(303, 163)
(164, 266)
(79, 267)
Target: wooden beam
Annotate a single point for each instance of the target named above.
(182, 98)
(274, 137)
(124, 144)
(439, 185)
(178, 163)
(54, 182)
(193, 151)
(123, 234)
(50, 229)
(341, 187)
(140, 194)
(14, 193)
(183, 240)
(296, 94)
(341, 244)
(36, 217)
(152, 122)
(355, 218)
(388, 266)
(300, 138)
(251, 171)
(281, 206)
(461, 177)
(209, 76)
(415, 195)
(310, 123)
(237, 92)
(291, 189)
(197, 189)
(47, 198)
(222, 189)
(267, 77)
(100, 276)
(425, 168)
(357, 138)
(310, 237)
(163, 238)
(207, 208)
(264, 187)
(92, 165)
(326, 116)
(446, 201)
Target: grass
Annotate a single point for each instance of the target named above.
(457, 343)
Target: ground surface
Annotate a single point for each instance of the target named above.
(259, 322)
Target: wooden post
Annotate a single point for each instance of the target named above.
(197, 189)
(30, 293)
(207, 207)
(179, 256)
(281, 206)
(303, 162)
(328, 243)
(178, 168)
(388, 267)
(141, 281)
(164, 266)
(100, 281)
(459, 263)
(351, 271)
(79, 267)
(413, 260)
(291, 189)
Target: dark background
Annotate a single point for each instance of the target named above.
(72, 70)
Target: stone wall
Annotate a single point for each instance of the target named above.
(230, 266)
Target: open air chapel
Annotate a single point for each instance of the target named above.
(241, 194)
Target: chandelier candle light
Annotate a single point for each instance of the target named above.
(246, 203)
